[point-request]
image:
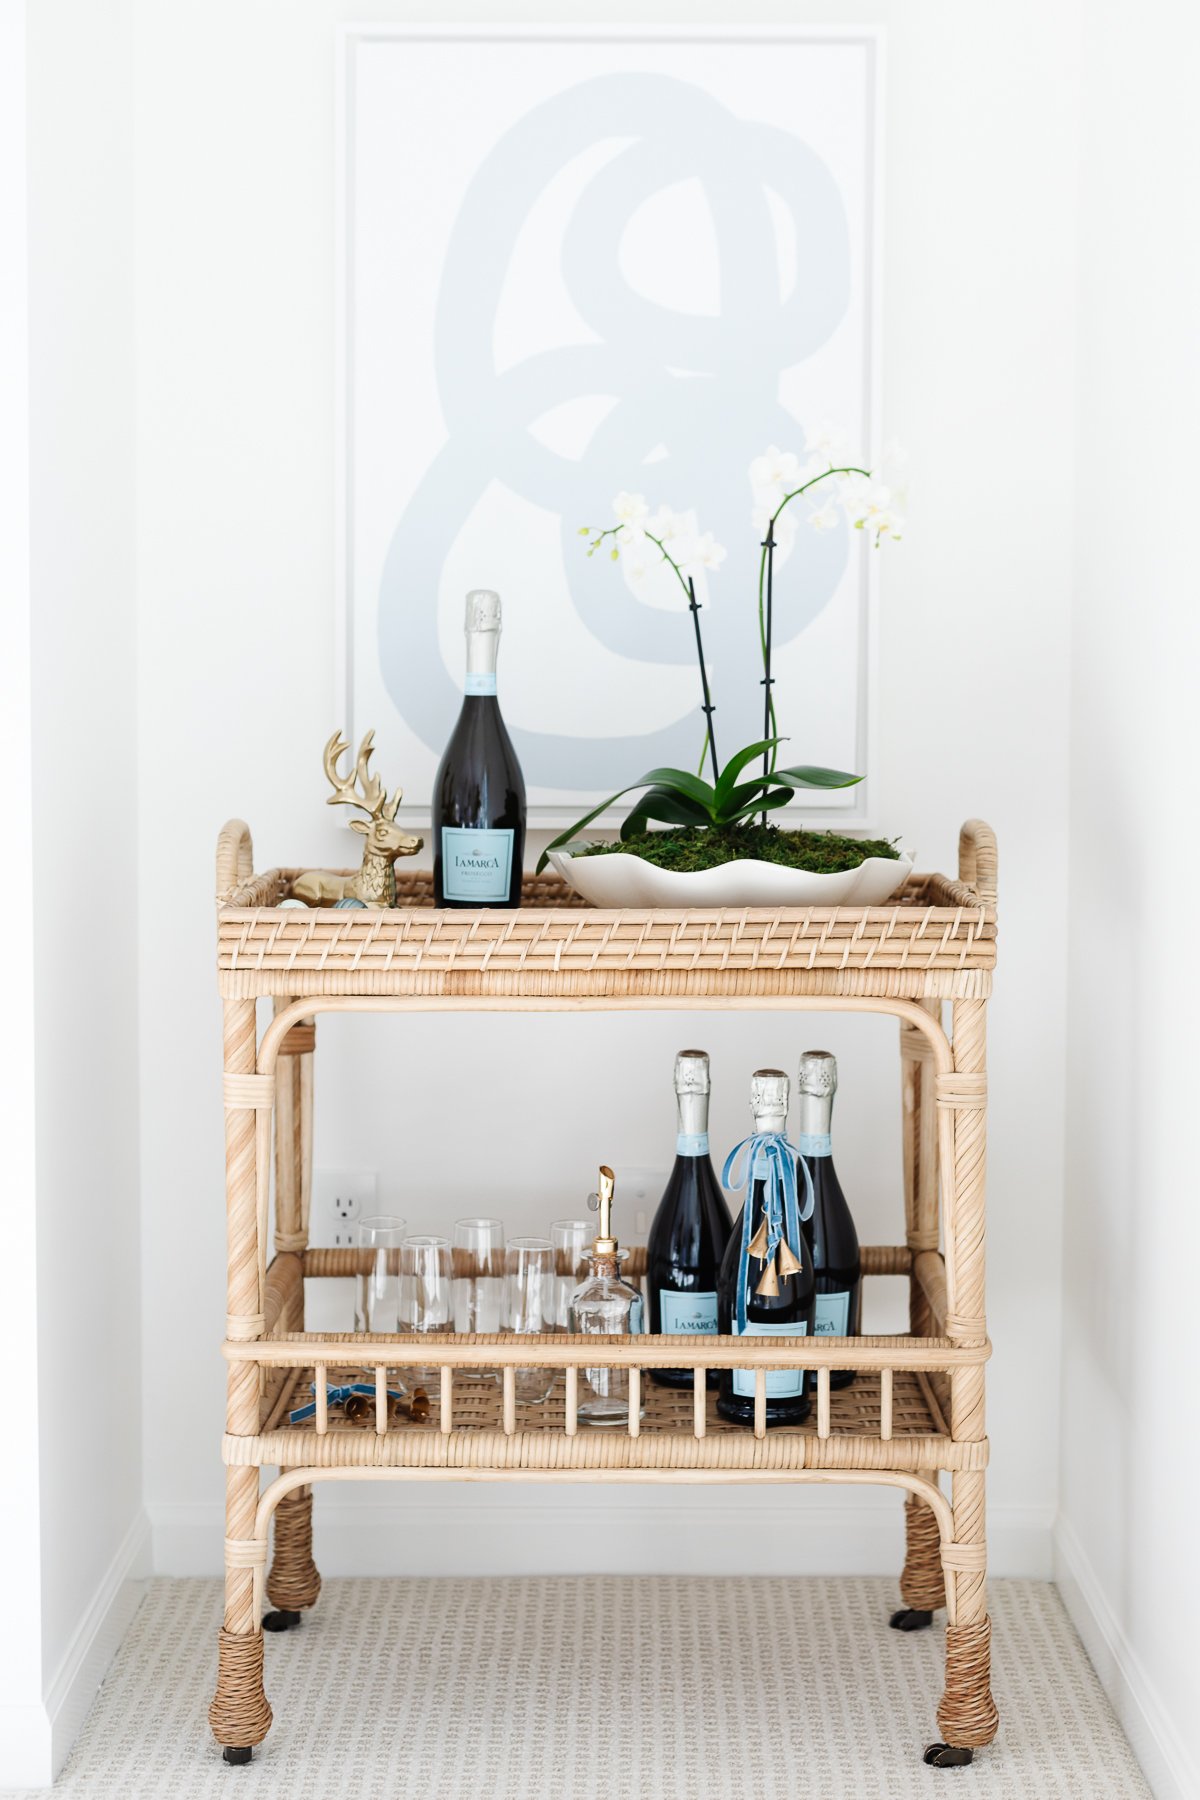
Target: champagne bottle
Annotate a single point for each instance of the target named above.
(831, 1232)
(691, 1227)
(479, 792)
(780, 1292)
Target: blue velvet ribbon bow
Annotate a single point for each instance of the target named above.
(336, 1396)
(769, 1158)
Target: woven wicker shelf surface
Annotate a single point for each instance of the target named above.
(937, 935)
(666, 1435)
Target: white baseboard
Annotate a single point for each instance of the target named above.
(37, 1739)
(97, 1638)
(496, 1529)
(1166, 1760)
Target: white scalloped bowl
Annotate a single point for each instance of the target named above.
(624, 880)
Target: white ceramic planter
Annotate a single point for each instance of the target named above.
(624, 880)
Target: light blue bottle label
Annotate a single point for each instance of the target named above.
(814, 1143)
(479, 684)
(833, 1315)
(782, 1384)
(476, 865)
(692, 1143)
(693, 1315)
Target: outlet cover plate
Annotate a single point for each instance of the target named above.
(340, 1198)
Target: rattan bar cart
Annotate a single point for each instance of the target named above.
(917, 1406)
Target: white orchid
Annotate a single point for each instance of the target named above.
(638, 552)
(778, 474)
(870, 506)
(669, 527)
(824, 518)
(775, 468)
(785, 529)
(630, 509)
(703, 553)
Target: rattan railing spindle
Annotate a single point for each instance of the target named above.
(322, 1399)
(822, 1403)
(699, 1397)
(760, 1403)
(510, 1399)
(381, 1401)
(571, 1400)
(446, 1402)
(635, 1403)
(885, 1404)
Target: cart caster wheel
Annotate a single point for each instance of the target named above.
(910, 1618)
(947, 1756)
(280, 1621)
(233, 1754)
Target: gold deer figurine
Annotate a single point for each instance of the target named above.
(375, 882)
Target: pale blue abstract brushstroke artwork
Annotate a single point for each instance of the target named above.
(690, 396)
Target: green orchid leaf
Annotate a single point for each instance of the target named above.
(806, 776)
(686, 786)
(754, 797)
(770, 801)
(681, 782)
(667, 807)
(736, 764)
(742, 799)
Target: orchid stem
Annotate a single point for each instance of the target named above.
(686, 582)
(709, 709)
(768, 709)
(766, 573)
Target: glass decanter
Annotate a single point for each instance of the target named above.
(605, 1305)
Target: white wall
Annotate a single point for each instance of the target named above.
(234, 160)
(79, 677)
(1126, 1543)
(24, 1727)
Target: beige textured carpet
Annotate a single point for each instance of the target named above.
(599, 1688)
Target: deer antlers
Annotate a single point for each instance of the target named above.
(372, 800)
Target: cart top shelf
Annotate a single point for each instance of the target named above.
(937, 938)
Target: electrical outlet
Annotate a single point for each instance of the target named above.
(340, 1198)
(638, 1192)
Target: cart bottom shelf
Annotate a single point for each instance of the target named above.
(667, 1436)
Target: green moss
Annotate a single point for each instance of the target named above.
(707, 847)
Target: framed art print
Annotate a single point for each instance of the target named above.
(574, 263)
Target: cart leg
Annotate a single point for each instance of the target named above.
(294, 1582)
(240, 1715)
(922, 1586)
(967, 1716)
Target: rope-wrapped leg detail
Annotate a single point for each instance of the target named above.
(922, 1584)
(240, 1715)
(294, 1582)
(967, 1715)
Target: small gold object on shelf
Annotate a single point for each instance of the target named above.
(375, 882)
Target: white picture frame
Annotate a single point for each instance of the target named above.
(378, 65)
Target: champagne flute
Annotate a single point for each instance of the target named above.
(529, 1303)
(377, 1306)
(426, 1302)
(572, 1243)
(478, 1259)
